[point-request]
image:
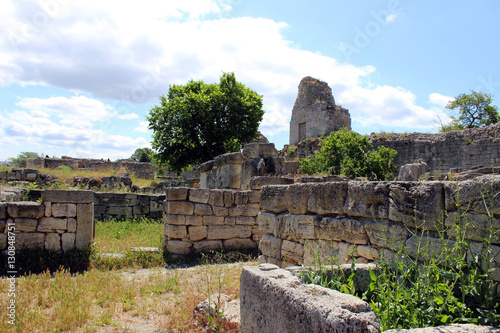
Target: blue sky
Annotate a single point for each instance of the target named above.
(78, 78)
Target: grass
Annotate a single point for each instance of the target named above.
(117, 295)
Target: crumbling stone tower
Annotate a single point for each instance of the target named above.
(315, 112)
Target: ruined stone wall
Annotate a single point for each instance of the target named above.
(444, 151)
(367, 219)
(20, 175)
(61, 221)
(199, 220)
(128, 205)
(315, 113)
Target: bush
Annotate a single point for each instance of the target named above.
(347, 153)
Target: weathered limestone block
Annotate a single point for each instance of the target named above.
(230, 220)
(248, 171)
(30, 241)
(213, 220)
(229, 158)
(478, 195)
(245, 220)
(178, 247)
(227, 232)
(296, 198)
(63, 210)
(342, 229)
(216, 198)
(199, 195)
(256, 183)
(85, 228)
(254, 197)
(386, 234)
(31, 210)
(71, 225)
(417, 204)
(53, 242)
(119, 211)
(324, 252)
(474, 226)
(274, 300)
(259, 150)
(257, 233)
(427, 247)
(295, 227)
(174, 219)
(155, 206)
(3, 241)
(411, 172)
(241, 197)
(368, 252)
(267, 222)
(177, 194)
(272, 198)
(175, 231)
(48, 209)
(62, 196)
(68, 241)
(197, 233)
(244, 210)
(236, 244)
(194, 220)
(140, 210)
(327, 198)
(51, 224)
(367, 199)
(180, 207)
(207, 245)
(220, 211)
(270, 246)
(25, 225)
(230, 176)
(31, 176)
(346, 252)
(3, 210)
(292, 252)
(202, 209)
(228, 198)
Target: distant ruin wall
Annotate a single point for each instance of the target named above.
(366, 220)
(444, 151)
(128, 205)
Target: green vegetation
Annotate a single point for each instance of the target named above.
(474, 110)
(20, 160)
(143, 155)
(198, 121)
(347, 153)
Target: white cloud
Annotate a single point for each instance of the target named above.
(391, 17)
(440, 100)
(143, 127)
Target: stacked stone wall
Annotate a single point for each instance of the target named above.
(31, 175)
(128, 205)
(61, 221)
(367, 220)
(201, 220)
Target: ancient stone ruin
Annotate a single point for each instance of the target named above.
(315, 112)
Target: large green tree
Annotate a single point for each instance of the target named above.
(20, 160)
(198, 121)
(474, 110)
(143, 155)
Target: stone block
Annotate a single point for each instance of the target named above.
(30, 241)
(67, 241)
(295, 227)
(246, 220)
(254, 197)
(228, 198)
(229, 158)
(256, 183)
(205, 167)
(479, 195)
(3, 241)
(177, 194)
(292, 252)
(174, 219)
(411, 172)
(2, 225)
(417, 204)
(475, 226)
(197, 233)
(3, 210)
(155, 206)
(62, 196)
(31, 210)
(230, 220)
(244, 210)
(257, 233)
(270, 246)
(53, 242)
(220, 211)
(213, 220)
(216, 198)
(236, 244)
(259, 150)
(296, 198)
(368, 252)
(31, 177)
(227, 232)
(175, 231)
(179, 247)
(272, 198)
(199, 195)
(3, 175)
(63, 210)
(241, 197)
(71, 225)
(194, 220)
(321, 252)
(248, 171)
(327, 198)
(180, 207)
(140, 210)
(207, 245)
(25, 225)
(85, 225)
(230, 176)
(367, 199)
(202, 209)
(386, 234)
(51, 224)
(119, 212)
(342, 229)
(48, 209)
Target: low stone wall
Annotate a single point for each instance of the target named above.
(31, 175)
(198, 220)
(366, 219)
(128, 205)
(61, 221)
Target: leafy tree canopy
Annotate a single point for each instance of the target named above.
(199, 121)
(20, 160)
(347, 153)
(143, 155)
(474, 110)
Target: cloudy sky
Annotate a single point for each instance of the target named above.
(78, 77)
